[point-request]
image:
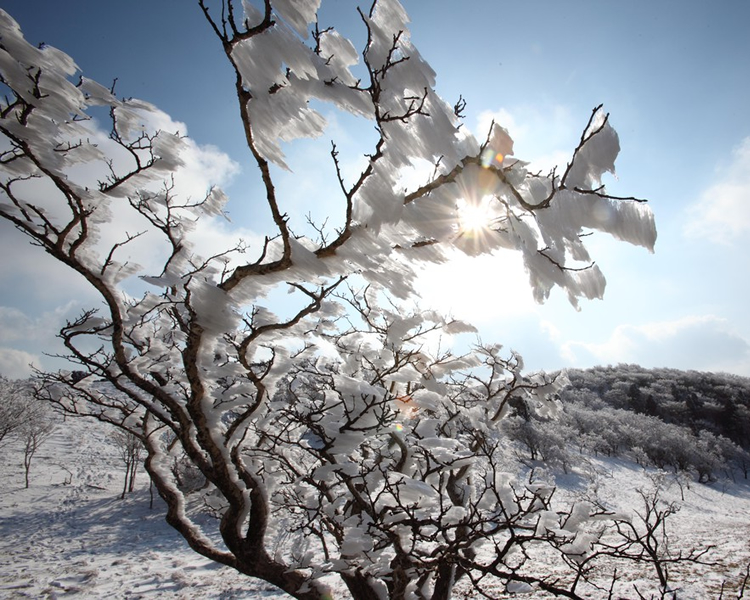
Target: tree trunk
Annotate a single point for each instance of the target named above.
(125, 484)
(446, 577)
(360, 587)
(27, 456)
(133, 468)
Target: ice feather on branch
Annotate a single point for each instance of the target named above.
(335, 437)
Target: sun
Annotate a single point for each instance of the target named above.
(474, 217)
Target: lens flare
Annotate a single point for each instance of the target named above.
(490, 158)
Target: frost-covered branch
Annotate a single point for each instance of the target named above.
(336, 432)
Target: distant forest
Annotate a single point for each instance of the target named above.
(686, 421)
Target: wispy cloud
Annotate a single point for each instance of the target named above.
(697, 342)
(722, 212)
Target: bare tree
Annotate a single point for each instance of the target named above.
(15, 406)
(337, 437)
(642, 537)
(647, 538)
(25, 418)
(34, 433)
(130, 448)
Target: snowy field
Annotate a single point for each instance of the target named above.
(71, 536)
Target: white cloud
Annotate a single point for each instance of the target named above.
(696, 342)
(501, 117)
(26, 339)
(550, 330)
(45, 293)
(543, 136)
(201, 169)
(15, 364)
(722, 212)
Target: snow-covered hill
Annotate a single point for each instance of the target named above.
(69, 535)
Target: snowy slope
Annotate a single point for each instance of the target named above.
(79, 540)
(70, 536)
(717, 515)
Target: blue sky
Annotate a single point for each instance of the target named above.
(674, 75)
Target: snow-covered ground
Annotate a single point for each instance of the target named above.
(715, 515)
(71, 536)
